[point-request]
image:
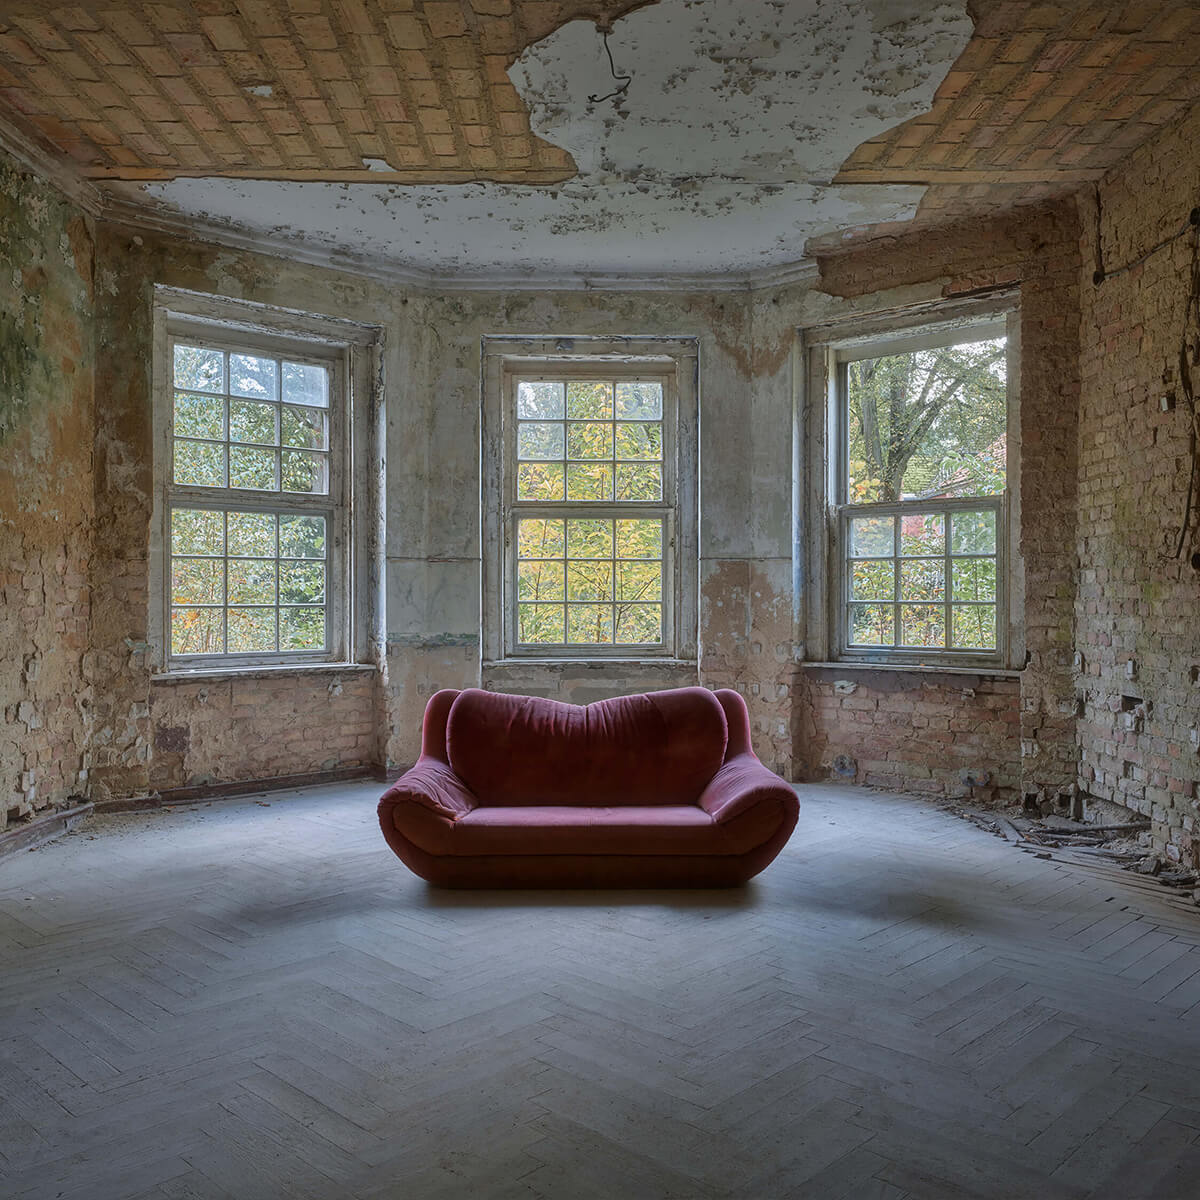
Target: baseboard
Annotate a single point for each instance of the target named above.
(42, 829)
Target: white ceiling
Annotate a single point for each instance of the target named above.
(716, 162)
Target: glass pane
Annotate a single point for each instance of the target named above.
(589, 581)
(302, 582)
(257, 378)
(197, 581)
(923, 625)
(540, 402)
(587, 481)
(252, 422)
(198, 370)
(639, 539)
(922, 534)
(973, 533)
(540, 624)
(922, 580)
(639, 482)
(591, 539)
(200, 464)
(638, 623)
(589, 624)
(540, 481)
(639, 400)
(305, 471)
(872, 537)
(305, 427)
(639, 441)
(974, 579)
(872, 625)
(872, 579)
(304, 384)
(249, 468)
(252, 535)
(974, 626)
(199, 416)
(537, 538)
(197, 531)
(641, 581)
(302, 629)
(539, 440)
(251, 581)
(929, 423)
(540, 581)
(197, 631)
(251, 630)
(301, 537)
(589, 439)
(589, 401)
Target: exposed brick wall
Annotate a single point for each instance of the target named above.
(1037, 248)
(1137, 603)
(46, 266)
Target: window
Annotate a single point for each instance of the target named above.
(918, 475)
(587, 454)
(256, 544)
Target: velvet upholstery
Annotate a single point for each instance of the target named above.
(661, 789)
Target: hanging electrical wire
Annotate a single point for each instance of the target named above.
(622, 80)
(1187, 352)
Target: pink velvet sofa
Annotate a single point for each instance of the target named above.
(655, 790)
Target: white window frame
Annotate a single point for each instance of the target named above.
(350, 352)
(828, 349)
(674, 361)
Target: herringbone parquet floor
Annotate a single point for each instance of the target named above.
(256, 1001)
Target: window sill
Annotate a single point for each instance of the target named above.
(502, 665)
(219, 674)
(983, 671)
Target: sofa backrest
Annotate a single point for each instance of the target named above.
(656, 748)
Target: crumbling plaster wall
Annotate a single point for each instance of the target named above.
(46, 268)
(1138, 637)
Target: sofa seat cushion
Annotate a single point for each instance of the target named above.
(660, 748)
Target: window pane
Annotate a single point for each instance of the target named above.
(197, 581)
(639, 539)
(923, 625)
(873, 580)
(872, 537)
(252, 535)
(639, 441)
(252, 422)
(198, 370)
(592, 539)
(301, 537)
(640, 581)
(537, 538)
(199, 416)
(252, 468)
(302, 629)
(305, 427)
(589, 624)
(922, 534)
(540, 581)
(540, 481)
(590, 401)
(586, 481)
(974, 626)
(927, 423)
(973, 533)
(251, 581)
(922, 580)
(257, 378)
(197, 531)
(639, 400)
(589, 581)
(540, 440)
(305, 471)
(197, 631)
(540, 624)
(636, 482)
(589, 439)
(872, 625)
(199, 464)
(974, 579)
(639, 623)
(304, 384)
(302, 582)
(540, 401)
(251, 630)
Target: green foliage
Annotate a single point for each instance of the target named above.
(199, 370)
(197, 531)
(639, 400)
(251, 535)
(199, 416)
(252, 468)
(302, 629)
(252, 376)
(252, 422)
(590, 401)
(199, 464)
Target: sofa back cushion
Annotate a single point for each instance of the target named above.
(657, 748)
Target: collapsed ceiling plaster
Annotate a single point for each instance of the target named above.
(718, 160)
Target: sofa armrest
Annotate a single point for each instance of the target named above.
(432, 785)
(742, 783)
